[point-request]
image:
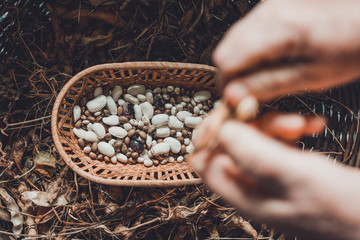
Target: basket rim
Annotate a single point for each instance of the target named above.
(110, 66)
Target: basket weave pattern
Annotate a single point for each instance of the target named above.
(151, 74)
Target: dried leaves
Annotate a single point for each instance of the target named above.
(15, 215)
(42, 199)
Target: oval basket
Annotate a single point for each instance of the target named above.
(151, 74)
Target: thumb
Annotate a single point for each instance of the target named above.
(258, 154)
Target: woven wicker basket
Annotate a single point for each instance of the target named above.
(151, 74)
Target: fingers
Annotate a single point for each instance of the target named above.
(217, 177)
(267, 84)
(248, 44)
(257, 153)
(289, 126)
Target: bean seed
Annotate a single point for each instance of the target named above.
(127, 140)
(172, 101)
(119, 110)
(135, 155)
(159, 140)
(183, 149)
(172, 132)
(92, 155)
(168, 111)
(94, 147)
(81, 143)
(184, 132)
(124, 149)
(108, 136)
(142, 134)
(131, 132)
(128, 154)
(151, 129)
(156, 112)
(100, 157)
(156, 162)
(113, 160)
(118, 143)
(91, 119)
(106, 159)
(87, 113)
(180, 139)
(83, 117)
(78, 124)
(87, 149)
(145, 128)
(117, 149)
(123, 119)
(106, 112)
(98, 119)
(131, 161)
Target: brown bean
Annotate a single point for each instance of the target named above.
(127, 140)
(106, 159)
(178, 99)
(183, 149)
(78, 123)
(117, 149)
(123, 119)
(98, 118)
(180, 139)
(131, 161)
(87, 113)
(172, 100)
(94, 147)
(145, 128)
(159, 140)
(119, 110)
(81, 143)
(131, 132)
(172, 132)
(100, 157)
(156, 112)
(168, 112)
(118, 143)
(106, 112)
(92, 155)
(91, 119)
(135, 155)
(128, 154)
(108, 136)
(143, 135)
(156, 162)
(190, 134)
(152, 129)
(184, 132)
(83, 117)
(137, 131)
(124, 149)
(205, 108)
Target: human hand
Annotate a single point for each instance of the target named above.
(287, 46)
(272, 182)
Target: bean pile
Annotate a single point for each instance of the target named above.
(139, 125)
